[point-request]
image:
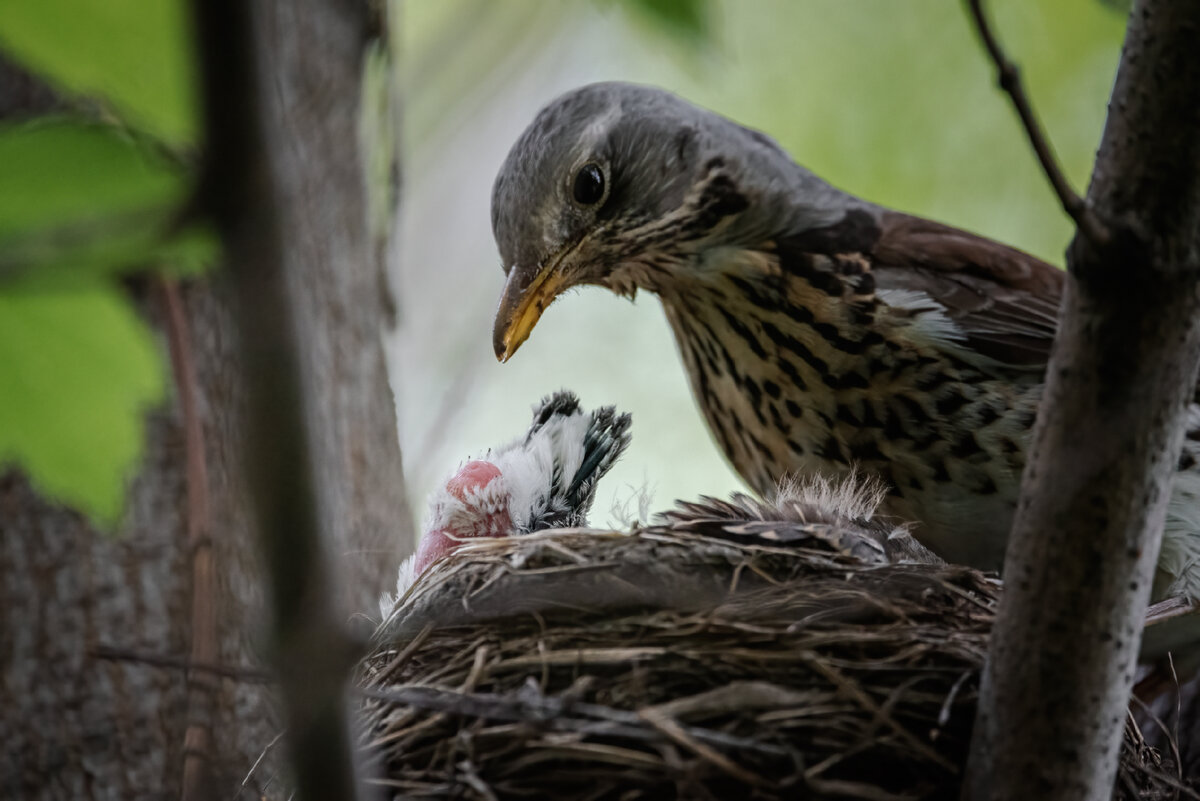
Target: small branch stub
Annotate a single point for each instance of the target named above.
(1008, 76)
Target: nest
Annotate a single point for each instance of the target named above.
(590, 665)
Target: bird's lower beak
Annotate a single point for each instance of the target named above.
(521, 307)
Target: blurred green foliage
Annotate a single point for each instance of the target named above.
(132, 57)
(688, 18)
(92, 193)
(83, 201)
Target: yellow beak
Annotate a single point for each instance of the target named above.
(521, 308)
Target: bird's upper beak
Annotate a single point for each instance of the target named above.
(522, 304)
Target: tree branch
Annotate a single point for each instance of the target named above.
(1009, 78)
(1082, 558)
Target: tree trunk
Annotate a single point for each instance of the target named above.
(76, 725)
(1081, 560)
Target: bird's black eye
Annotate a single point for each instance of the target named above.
(589, 184)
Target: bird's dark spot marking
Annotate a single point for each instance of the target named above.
(743, 331)
(751, 389)
(772, 389)
(747, 288)
(1187, 461)
(730, 369)
(804, 266)
(710, 358)
(793, 374)
(862, 314)
(849, 266)
(851, 380)
(796, 447)
(846, 415)
(720, 198)
(799, 314)
(987, 416)
(795, 346)
(761, 448)
(827, 282)
(831, 449)
(892, 427)
(825, 419)
(932, 380)
(866, 450)
(915, 483)
(834, 337)
(723, 433)
(869, 417)
(1009, 447)
(715, 163)
(986, 486)
(883, 363)
(940, 473)
(924, 438)
(793, 408)
(951, 403)
(872, 338)
(865, 285)
(909, 409)
(702, 346)
(777, 418)
(966, 447)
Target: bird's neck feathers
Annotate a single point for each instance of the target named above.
(731, 217)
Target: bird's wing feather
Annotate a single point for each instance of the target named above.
(1004, 301)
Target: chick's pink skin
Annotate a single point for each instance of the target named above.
(471, 478)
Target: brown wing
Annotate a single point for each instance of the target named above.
(1005, 301)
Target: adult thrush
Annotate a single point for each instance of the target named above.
(821, 333)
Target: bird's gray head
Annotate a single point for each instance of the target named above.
(614, 182)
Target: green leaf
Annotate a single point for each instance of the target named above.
(689, 18)
(135, 55)
(83, 201)
(77, 370)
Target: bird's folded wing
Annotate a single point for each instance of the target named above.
(1005, 302)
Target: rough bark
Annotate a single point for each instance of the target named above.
(75, 726)
(1085, 541)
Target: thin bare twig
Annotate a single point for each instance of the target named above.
(151, 659)
(1009, 78)
(260, 759)
(198, 736)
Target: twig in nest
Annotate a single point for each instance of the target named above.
(1009, 78)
